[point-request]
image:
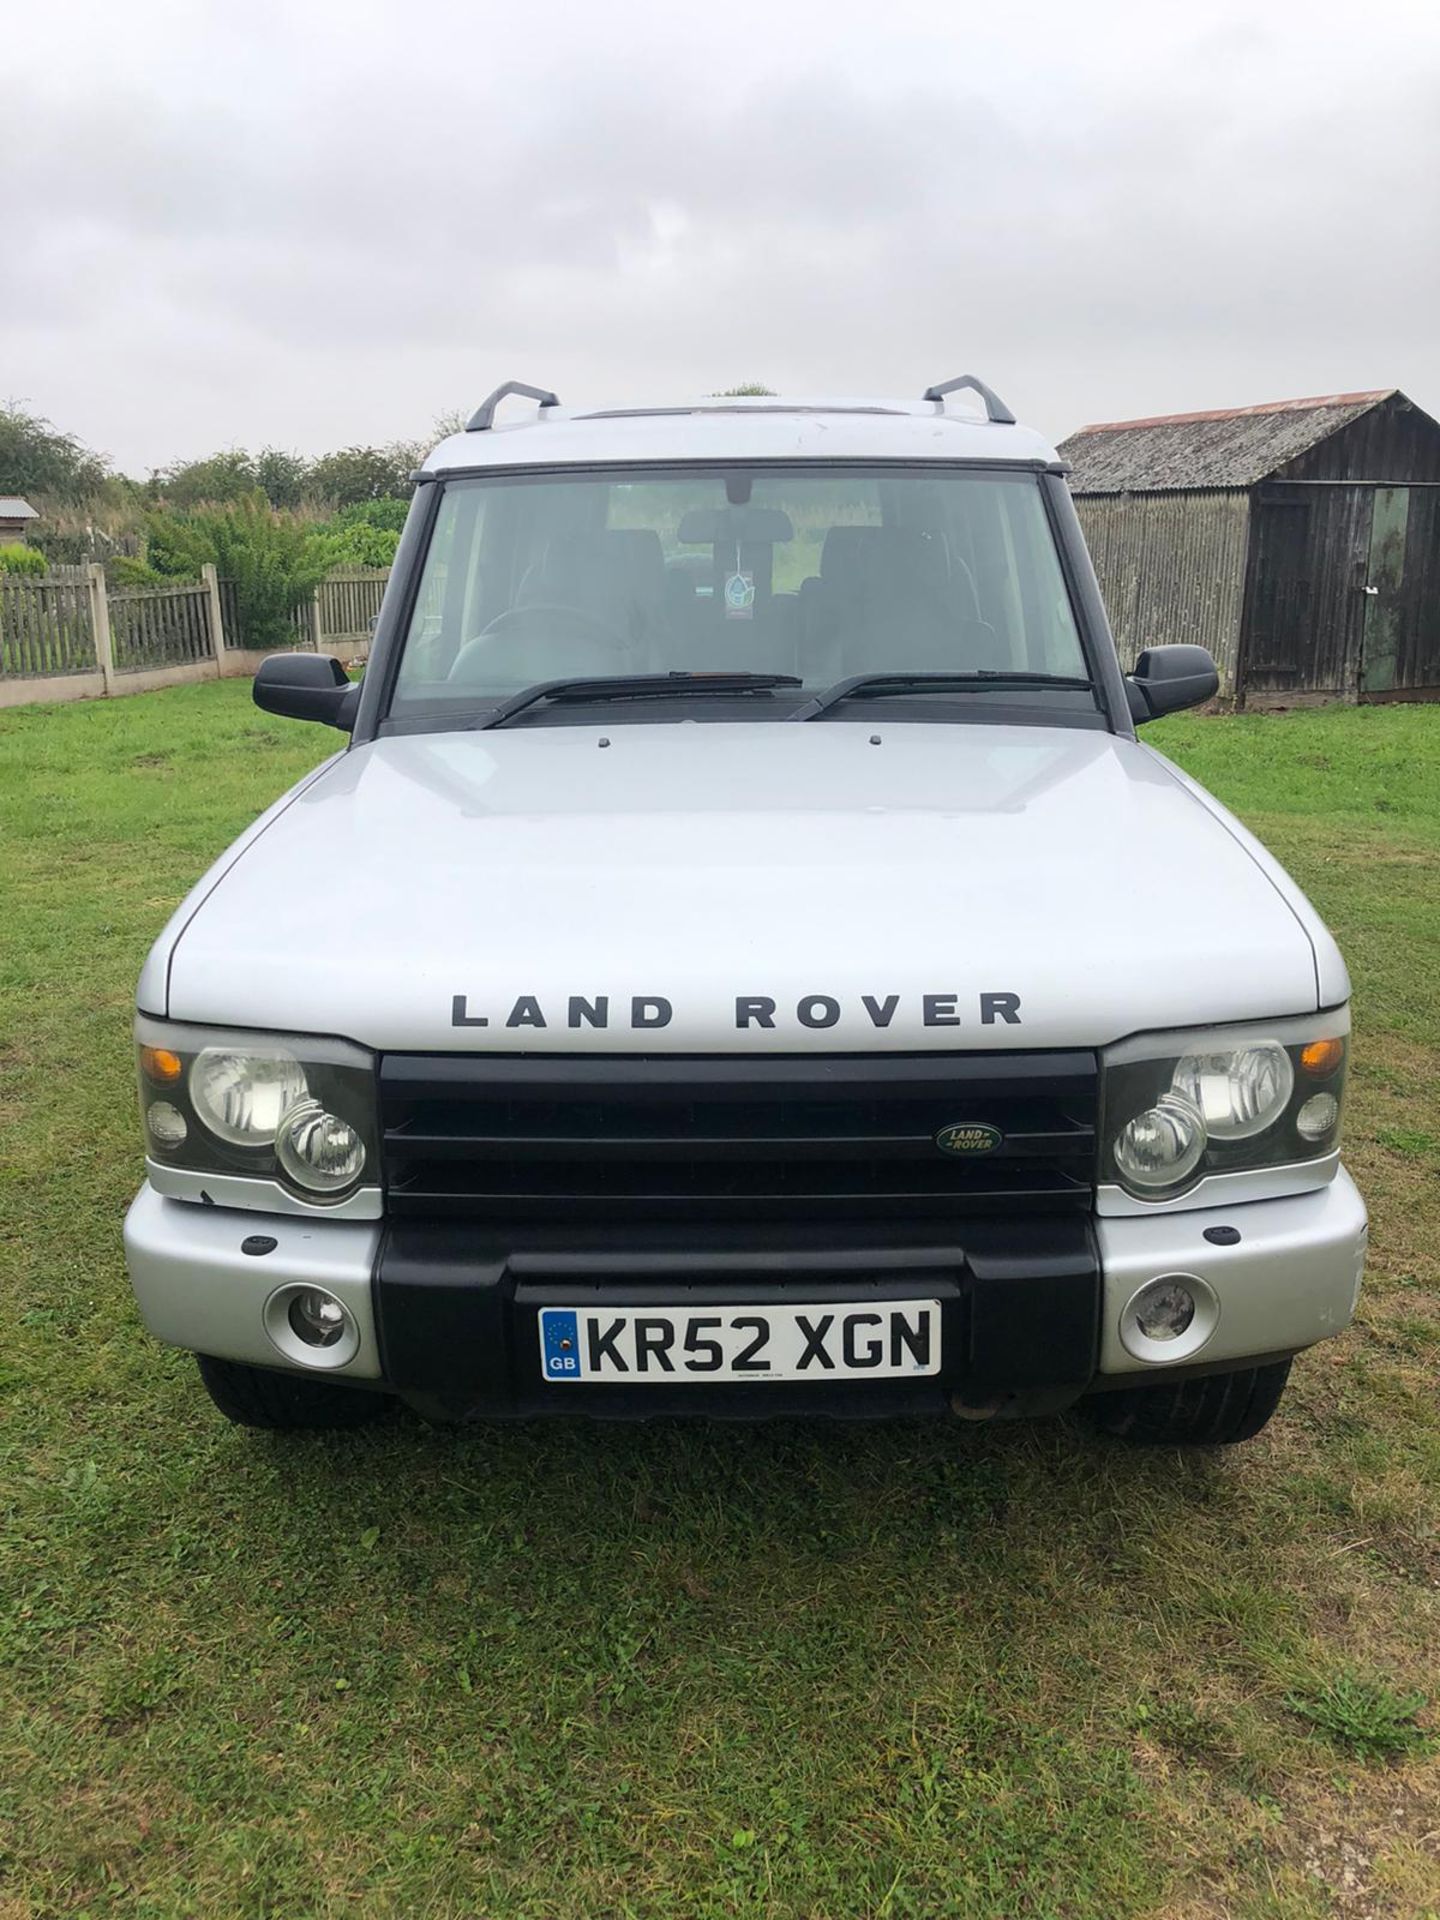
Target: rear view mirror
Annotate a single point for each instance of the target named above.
(1169, 679)
(307, 686)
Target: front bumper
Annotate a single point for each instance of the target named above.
(1032, 1310)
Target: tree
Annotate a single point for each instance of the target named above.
(281, 477)
(226, 476)
(362, 473)
(37, 459)
(275, 560)
(752, 391)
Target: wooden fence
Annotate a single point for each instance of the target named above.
(340, 613)
(67, 636)
(45, 627)
(348, 601)
(161, 627)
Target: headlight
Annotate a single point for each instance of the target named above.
(318, 1150)
(1180, 1107)
(1239, 1092)
(1161, 1147)
(300, 1112)
(241, 1098)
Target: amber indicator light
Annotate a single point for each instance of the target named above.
(161, 1065)
(1322, 1057)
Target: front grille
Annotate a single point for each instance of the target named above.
(621, 1138)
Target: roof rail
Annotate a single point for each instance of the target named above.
(483, 417)
(995, 408)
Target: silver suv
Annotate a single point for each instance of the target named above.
(743, 962)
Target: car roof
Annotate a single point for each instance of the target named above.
(721, 428)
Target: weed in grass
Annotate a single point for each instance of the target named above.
(1364, 1717)
(1409, 1140)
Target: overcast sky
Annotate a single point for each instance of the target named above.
(310, 223)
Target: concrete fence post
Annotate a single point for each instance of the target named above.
(211, 580)
(100, 624)
(317, 622)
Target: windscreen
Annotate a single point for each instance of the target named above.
(822, 574)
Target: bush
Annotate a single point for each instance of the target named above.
(21, 560)
(387, 514)
(275, 560)
(129, 570)
(365, 534)
(358, 546)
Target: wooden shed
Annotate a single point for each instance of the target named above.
(15, 517)
(1299, 541)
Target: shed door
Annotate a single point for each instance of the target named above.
(1311, 556)
(1280, 618)
(1385, 589)
(1402, 596)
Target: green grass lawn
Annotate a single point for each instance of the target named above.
(688, 1671)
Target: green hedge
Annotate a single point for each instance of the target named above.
(20, 559)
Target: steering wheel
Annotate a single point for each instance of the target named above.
(573, 623)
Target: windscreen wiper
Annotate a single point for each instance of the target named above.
(635, 686)
(880, 686)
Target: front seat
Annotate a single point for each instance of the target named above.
(884, 602)
(616, 576)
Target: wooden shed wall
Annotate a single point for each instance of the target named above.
(1305, 628)
(1171, 567)
(1394, 442)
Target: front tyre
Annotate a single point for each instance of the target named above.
(1215, 1411)
(263, 1397)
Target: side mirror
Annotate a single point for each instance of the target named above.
(1169, 679)
(307, 686)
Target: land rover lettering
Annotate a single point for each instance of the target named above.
(814, 1011)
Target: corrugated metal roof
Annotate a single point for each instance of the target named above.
(12, 507)
(1233, 447)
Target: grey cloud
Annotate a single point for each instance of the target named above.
(324, 251)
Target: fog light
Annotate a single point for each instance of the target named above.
(1164, 1310)
(166, 1124)
(311, 1327)
(316, 1317)
(1317, 1117)
(1169, 1319)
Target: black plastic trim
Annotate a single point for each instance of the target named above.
(483, 417)
(608, 1140)
(996, 410)
(456, 1312)
(1096, 639)
(521, 469)
(387, 643)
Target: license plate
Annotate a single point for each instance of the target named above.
(661, 1346)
